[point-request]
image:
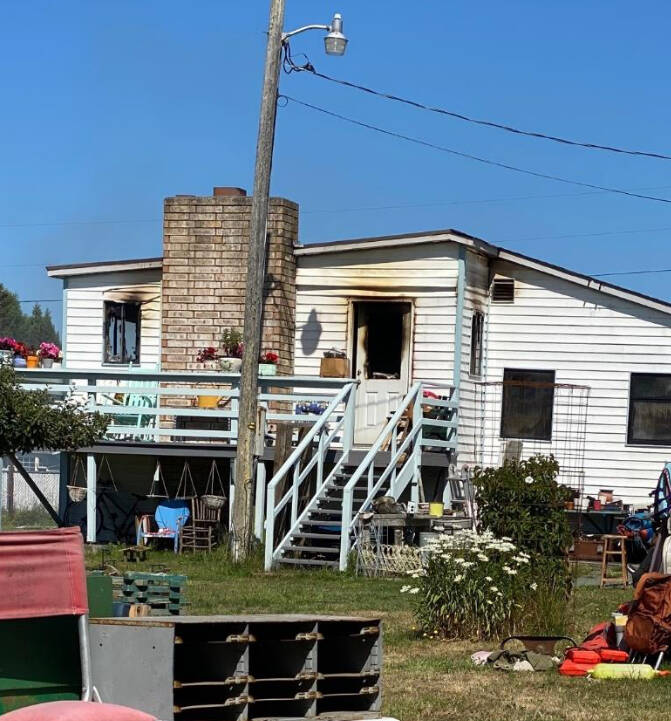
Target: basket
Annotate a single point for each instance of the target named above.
(76, 493)
(213, 502)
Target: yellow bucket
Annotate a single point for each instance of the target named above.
(436, 509)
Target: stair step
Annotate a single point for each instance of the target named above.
(326, 511)
(313, 549)
(309, 562)
(317, 522)
(318, 536)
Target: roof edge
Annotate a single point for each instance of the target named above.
(105, 266)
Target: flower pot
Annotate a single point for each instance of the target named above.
(47, 362)
(267, 369)
(6, 358)
(230, 365)
(208, 401)
(19, 361)
(58, 364)
(32, 361)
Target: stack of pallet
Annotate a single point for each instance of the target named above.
(162, 592)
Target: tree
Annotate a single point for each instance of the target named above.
(12, 320)
(31, 420)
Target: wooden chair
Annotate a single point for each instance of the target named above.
(202, 533)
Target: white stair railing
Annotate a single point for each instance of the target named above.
(408, 455)
(332, 422)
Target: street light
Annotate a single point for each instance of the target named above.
(335, 43)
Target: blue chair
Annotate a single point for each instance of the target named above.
(170, 517)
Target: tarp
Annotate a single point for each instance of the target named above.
(42, 574)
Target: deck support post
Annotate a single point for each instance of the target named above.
(91, 498)
(260, 499)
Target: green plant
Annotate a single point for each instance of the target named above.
(473, 585)
(522, 500)
(31, 420)
(231, 343)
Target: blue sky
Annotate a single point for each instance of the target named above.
(108, 106)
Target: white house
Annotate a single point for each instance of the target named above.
(586, 364)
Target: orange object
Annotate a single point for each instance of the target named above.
(581, 655)
(614, 655)
(571, 668)
(32, 361)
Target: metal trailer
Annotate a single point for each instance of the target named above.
(235, 668)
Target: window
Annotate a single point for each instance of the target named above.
(477, 325)
(526, 408)
(503, 290)
(650, 409)
(121, 333)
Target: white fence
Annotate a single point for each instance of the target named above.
(15, 493)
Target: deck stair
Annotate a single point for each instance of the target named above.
(321, 531)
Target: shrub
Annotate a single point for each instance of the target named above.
(523, 500)
(473, 585)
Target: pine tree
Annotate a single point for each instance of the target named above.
(12, 320)
(33, 329)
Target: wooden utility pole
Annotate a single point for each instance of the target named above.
(245, 465)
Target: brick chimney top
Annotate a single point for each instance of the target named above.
(229, 192)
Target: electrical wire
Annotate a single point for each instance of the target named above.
(290, 67)
(469, 156)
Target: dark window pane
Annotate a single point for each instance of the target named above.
(121, 333)
(526, 409)
(477, 324)
(650, 385)
(650, 409)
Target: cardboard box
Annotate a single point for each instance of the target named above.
(587, 549)
(334, 368)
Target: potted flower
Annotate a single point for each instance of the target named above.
(230, 359)
(32, 359)
(48, 353)
(208, 356)
(268, 364)
(7, 346)
(20, 354)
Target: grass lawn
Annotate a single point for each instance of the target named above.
(422, 679)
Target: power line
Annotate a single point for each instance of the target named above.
(42, 300)
(587, 235)
(632, 272)
(469, 156)
(78, 222)
(476, 121)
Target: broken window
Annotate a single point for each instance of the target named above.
(121, 332)
(650, 409)
(477, 325)
(384, 339)
(526, 406)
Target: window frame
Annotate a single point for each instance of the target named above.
(631, 441)
(476, 363)
(552, 384)
(138, 332)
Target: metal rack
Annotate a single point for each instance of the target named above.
(237, 668)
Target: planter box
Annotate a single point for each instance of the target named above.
(230, 365)
(334, 368)
(267, 369)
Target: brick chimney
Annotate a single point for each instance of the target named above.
(205, 242)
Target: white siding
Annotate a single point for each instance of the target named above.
(424, 275)
(83, 324)
(476, 297)
(592, 339)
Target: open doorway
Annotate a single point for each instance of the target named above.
(381, 360)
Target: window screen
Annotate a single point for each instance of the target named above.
(650, 409)
(526, 408)
(121, 341)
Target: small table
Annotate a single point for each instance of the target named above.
(597, 523)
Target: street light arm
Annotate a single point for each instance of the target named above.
(286, 36)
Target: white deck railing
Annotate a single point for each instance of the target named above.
(163, 406)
